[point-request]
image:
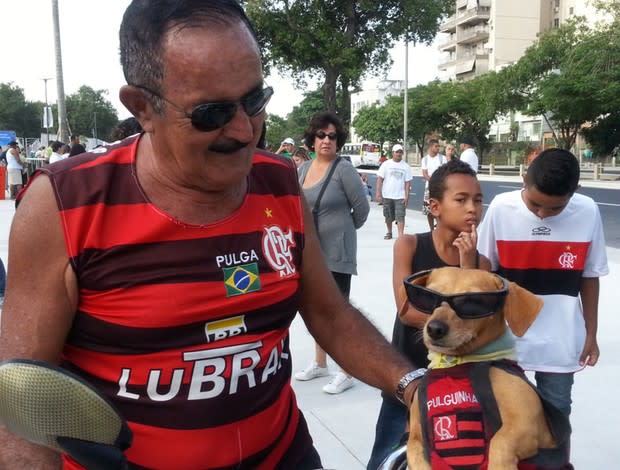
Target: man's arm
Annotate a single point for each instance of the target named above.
(407, 189)
(589, 291)
(40, 302)
(343, 331)
(378, 194)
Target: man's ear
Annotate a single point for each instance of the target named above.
(521, 308)
(135, 101)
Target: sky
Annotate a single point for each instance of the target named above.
(89, 42)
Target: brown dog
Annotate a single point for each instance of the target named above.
(522, 425)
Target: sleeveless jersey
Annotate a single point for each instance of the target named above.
(408, 339)
(184, 328)
(459, 417)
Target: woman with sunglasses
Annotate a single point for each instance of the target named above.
(342, 209)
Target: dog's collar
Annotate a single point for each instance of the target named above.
(502, 348)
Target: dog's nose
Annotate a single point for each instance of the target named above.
(437, 329)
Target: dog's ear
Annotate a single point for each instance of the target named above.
(521, 308)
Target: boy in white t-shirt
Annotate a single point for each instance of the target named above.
(549, 239)
(393, 185)
(430, 163)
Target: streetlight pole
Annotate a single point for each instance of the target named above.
(46, 116)
(60, 86)
(406, 93)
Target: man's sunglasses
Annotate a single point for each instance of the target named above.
(468, 305)
(214, 115)
(331, 136)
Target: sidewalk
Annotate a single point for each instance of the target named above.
(343, 425)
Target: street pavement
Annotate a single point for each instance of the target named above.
(343, 425)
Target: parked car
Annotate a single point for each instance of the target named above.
(355, 160)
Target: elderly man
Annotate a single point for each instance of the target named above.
(167, 268)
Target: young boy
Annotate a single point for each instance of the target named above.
(456, 203)
(550, 240)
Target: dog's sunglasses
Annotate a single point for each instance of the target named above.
(214, 115)
(468, 305)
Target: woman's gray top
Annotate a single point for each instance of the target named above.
(343, 209)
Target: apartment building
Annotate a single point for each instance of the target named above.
(376, 95)
(484, 35)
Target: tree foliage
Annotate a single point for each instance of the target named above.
(381, 123)
(338, 41)
(17, 114)
(570, 77)
(90, 113)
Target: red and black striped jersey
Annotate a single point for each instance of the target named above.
(184, 328)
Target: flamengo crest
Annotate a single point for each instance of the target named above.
(277, 250)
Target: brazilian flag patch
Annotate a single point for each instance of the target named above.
(241, 279)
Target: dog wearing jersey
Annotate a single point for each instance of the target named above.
(475, 408)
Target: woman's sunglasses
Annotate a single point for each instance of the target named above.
(331, 136)
(469, 305)
(214, 115)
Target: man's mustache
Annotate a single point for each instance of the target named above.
(230, 146)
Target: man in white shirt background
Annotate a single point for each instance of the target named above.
(431, 161)
(468, 154)
(393, 185)
(56, 155)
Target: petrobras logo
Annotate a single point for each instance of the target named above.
(241, 279)
(541, 231)
(225, 328)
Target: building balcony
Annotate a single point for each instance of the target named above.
(461, 4)
(446, 61)
(448, 26)
(448, 45)
(474, 16)
(469, 65)
(473, 35)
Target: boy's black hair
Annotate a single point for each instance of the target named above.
(554, 172)
(437, 183)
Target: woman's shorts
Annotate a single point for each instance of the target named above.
(426, 208)
(15, 176)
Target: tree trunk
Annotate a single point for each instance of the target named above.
(329, 90)
(344, 109)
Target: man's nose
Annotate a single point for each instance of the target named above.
(240, 126)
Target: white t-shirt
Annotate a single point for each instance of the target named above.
(13, 162)
(394, 175)
(548, 257)
(430, 164)
(56, 157)
(469, 156)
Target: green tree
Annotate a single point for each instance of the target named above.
(338, 41)
(565, 75)
(296, 121)
(426, 112)
(17, 114)
(89, 112)
(469, 107)
(381, 123)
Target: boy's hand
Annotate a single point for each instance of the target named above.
(466, 243)
(590, 354)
